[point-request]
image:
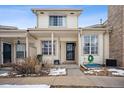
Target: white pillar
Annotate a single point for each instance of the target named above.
(1, 51)
(79, 48)
(27, 47)
(100, 47)
(52, 41)
(57, 49)
(14, 52)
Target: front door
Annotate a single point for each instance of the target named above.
(70, 51)
(6, 53)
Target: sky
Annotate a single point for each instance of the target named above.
(22, 17)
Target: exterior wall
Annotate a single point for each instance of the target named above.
(63, 52)
(33, 52)
(32, 47)
(115, 20)
(106, 46)
(102, 48)
(72, 21)
(43, 20)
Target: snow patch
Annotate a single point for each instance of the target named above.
(57, 71)
(117, 72)
(4, 74)
(88, 72)
(91, 71)
(25, 86)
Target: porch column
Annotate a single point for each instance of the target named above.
(1, 50)
(52, 41)
(14, 52)
(79, 48)
(27, 47)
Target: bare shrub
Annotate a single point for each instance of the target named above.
(27, 67)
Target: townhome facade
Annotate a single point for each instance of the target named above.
(57, 37)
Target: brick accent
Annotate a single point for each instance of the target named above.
(116, 21)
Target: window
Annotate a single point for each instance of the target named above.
(20, 51)
(47, 47)
(57, 20)
(90, 44)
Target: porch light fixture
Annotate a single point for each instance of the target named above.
(72, 13)
(41, 12)
(18, 42)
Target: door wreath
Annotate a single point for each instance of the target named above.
(90, 58)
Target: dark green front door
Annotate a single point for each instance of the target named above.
(6, 53)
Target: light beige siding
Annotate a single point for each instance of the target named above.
(72, 21)
(42, 21)
(106, 46)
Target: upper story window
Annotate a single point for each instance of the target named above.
(57, 21)
(90, 44)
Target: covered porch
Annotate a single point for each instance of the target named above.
(57, 45)
(15, 46)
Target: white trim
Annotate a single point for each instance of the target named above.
(52, 41)
(27, 47)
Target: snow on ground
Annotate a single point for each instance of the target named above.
(88, 72)
(117, 72)
(91, 71)
(4, 74)
(25, 86)
(57, 71)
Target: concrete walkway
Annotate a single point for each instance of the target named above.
(69, 81)
(72, 69)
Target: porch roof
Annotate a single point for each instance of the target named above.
(57, 9)
(13, 33)
(56, 33)
(53, 29)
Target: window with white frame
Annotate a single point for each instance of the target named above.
(90, 44)
(47, 47)
(57, 21)
(20, 50)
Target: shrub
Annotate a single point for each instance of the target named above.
(27, 67)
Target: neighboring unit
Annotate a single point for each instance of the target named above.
(116, 25)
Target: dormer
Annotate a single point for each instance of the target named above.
(57, 18)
